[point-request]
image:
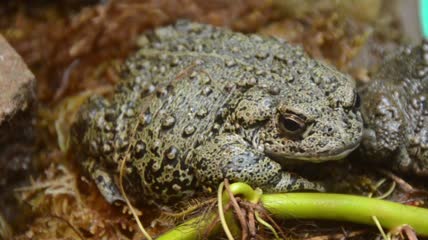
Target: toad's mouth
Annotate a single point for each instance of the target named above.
(337, 154)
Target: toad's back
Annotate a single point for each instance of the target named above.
(194, 92)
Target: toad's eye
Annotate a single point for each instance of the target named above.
(291, 125)
(357, 101)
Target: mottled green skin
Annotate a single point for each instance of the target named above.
(395, 112)
(198, 104)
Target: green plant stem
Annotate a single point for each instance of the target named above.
(195, 227)
(245, 191)
(341, 207)
(191, 229)
(267, 225)
(222, 213)
(323, 206)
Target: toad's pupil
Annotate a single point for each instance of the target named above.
(290, 124)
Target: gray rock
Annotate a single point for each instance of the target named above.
(16, 83)
(17, 101)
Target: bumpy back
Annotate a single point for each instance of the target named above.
(395, 112)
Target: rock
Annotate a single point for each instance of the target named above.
(17, 102)
(16, 83)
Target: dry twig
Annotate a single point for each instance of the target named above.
(244, 226)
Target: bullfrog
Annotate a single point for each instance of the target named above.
(198, 104)
(395, 112)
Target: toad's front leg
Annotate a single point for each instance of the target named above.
(104, 181)
(229, 156)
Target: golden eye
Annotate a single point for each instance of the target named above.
(291, 125)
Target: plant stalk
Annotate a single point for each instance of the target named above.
(321, 206)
